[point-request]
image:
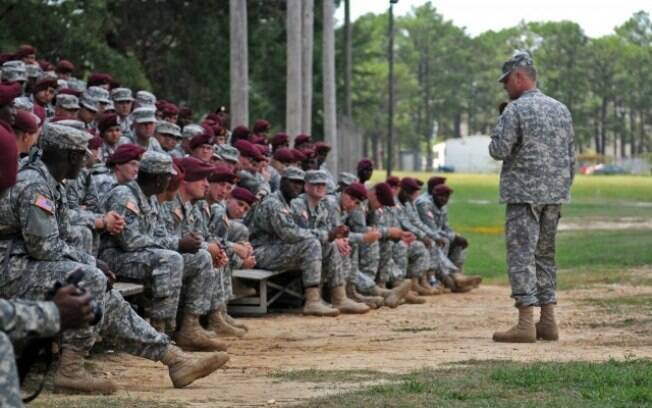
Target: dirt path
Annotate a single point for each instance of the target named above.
(449, 328)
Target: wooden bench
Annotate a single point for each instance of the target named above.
(269, 291)
(128, 289)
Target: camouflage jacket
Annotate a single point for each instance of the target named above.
(20, 319)
(535, 140)
(434, 217)
(317, 219)
(272, 220)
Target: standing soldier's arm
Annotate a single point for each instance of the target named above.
(506, 134)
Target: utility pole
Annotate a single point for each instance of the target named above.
(390, 107)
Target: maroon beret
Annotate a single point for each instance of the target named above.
(6, 56)
(302, 139)
(208, 128)
(99, 78)
(206, 137)
(240, 133)
(185, 112)
(107, 121)
(222, 173)
(69, 91)
(247, 149)
(356, 190)
(8, 158)
(442, 189)
(365, 164)
(393, 181)
(95, 143)
(263, 149)
(434, 181)
(195, 169)
(242, 194)
(214, 117)
(114, 84)
(419, 182)
(284, 155)
(25, 122)
(64, 67)
(384, 194)
(170, 109)
(279, 139)
(45, 65)
(410, 185)
(298, 155)
(322, 148)
(261, 126)
(8, 92)
(44, 83)
(125, 153)
(24, 51)
(39, 111)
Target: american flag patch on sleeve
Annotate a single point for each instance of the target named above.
(44, 203)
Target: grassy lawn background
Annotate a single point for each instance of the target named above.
(476, 213)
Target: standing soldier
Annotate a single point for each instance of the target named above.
(535, 140)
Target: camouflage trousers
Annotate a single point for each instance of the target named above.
(9, 384)
(440, 263)
(388, 269)
(333, 273)
(411, 261)
(455, 254)
(120, 324)
(304, 255)
(198, 275)
(221, 293)
(352, 274)
(530, 232)
(368, 262)
(159, 269)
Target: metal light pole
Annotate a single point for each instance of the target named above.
(390, 108)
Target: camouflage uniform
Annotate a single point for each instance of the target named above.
(280, 244)
(318, 221)
(534, 138)
(450, 257)
(388, 268)
(180, 219)
(140, 252)
(19, 320)
(34, 255)
(367, 256)
(254, 182)
(418, 255)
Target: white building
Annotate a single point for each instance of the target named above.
(465, 155)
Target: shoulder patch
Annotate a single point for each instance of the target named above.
(305, 214)
(207, 209)
(44, 203)
(285, 211)
(179, 213)
(226, 219)
(430, 214)
(133, 207)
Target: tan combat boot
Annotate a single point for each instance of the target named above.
(422, 290)
(437, 289)
(217, 323)
(454, 287)
(230, 320)
(184, 368)
(523, 332)
(345, 305)
(72, 377)
(395, 296)
(412, 298)
(373, 302)
(464, 281)
(547, 328)
(315, 306)
(380, 291)
(193, 337)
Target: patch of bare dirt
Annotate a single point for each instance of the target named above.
(448, 329)
(589, 223)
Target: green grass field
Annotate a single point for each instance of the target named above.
(476, 213)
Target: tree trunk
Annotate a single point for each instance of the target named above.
(330, 118)
(457, 124)
(306, 68)
(239, 63)
(293, 113)
(348, 69)
(603, 125)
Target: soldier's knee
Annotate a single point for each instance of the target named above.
(94, 280)
(204, 259)
(312, 248)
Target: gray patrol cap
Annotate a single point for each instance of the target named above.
(13, 71)
(88, 102)
(144, 98)
(191, 130)
(316, 177)
(69, 102)
(76, 84)
(65, 137)
(33, 70)
(293, 173)
(101, 95)
(227, 153)
(157, 163)
(519, 59)
(144, 114)
(347, 178)
(110, 107)
(74, 123)
(167, 128)
(121, 95)
(23, 103)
